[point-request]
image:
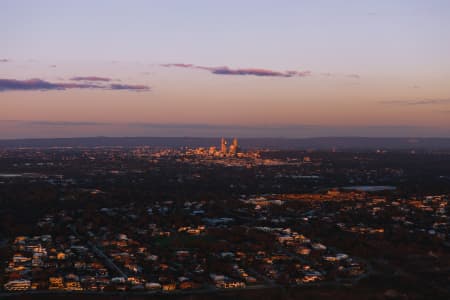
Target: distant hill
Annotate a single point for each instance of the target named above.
(339, 143)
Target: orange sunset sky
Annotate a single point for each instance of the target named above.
(204, 68)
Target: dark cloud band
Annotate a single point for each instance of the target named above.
(38, 84)
(242, 72)
(42, 85)
(129, 87)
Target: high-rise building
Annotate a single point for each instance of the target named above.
(234, 147)
(235, 143)
(212, 150)
(223, 146)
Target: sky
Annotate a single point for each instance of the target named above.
(236, 68)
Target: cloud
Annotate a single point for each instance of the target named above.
(257, 72)
(4, 60)
(65, 123)
(42, 85)
(38, 84)
(117, 86)
(417, 102)
(340, 75)
(49, 128)
(242, 72)
(178, 65)
(90, 78)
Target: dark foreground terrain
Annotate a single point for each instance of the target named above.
(198, 223)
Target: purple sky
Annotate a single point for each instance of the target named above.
(239, 68)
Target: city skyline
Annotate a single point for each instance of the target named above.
(254, 69)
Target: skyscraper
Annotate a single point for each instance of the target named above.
(234, 147)
(223, 146)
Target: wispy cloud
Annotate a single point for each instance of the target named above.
(66, 123)
(42, 85)
(353, 75)
(224, 70)
(258, 127)
(258, 72)
(90, 78)
(179, 65)
(39, 84)
(49, 128)
(417, 102)
(4, 60)
(117, 86)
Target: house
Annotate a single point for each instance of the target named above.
(56, 283)
(73, 286)
(167, 287)
(153, 286)
(118, 280)
(61, 256)
(17, 285)
(230, 284)
(188, 284)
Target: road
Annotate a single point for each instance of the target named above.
(109, 263)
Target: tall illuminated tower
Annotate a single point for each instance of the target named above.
(223, 146)
(234, 147)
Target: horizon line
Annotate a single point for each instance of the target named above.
(226, 137)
